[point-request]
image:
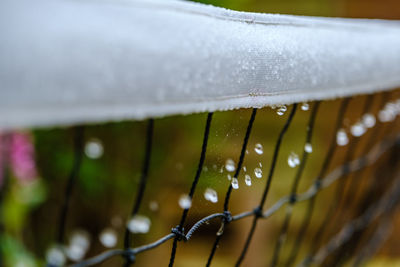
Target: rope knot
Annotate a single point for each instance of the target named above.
(258, 212)
(130, 257)
(292, 199)
(179, 234)
(227, 216)
(317, 184)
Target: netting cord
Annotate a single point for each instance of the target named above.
(129, 259)
(345, 251)
(376, 131)
(380, 235)
(310, 208)
(179, 229)
(299, 173)
(387, 203)
(355, 165)
(78, 153)
(267, 186)
(351, 199)
(330, 215)
(228, 216)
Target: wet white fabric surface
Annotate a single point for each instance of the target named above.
(64, 62)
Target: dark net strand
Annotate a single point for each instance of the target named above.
(327, 239)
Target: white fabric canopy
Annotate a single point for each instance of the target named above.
(65, 62)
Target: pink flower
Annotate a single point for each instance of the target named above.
(17, 150)
(22, 154)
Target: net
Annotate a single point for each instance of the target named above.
(269, 171)
(353, 169)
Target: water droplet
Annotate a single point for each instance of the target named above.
(247, 180)
(293, 160)
(229, 177)
(55, 256)
(244, 169)
(259, 149)
(79, 243)
(139, 224)
(153, 205)
(211, 195)
(308, 148)
(258, 172)
(94, 148)
(369, 120)
(358, 129)
(305, 106)
(75, 253)
(185, 202)
(230, 165)
(80, 238)
(341, 138)
(235, 183)
(108, 238)
(260, 164)
(281, 110)
(386, 115)
(205, 169)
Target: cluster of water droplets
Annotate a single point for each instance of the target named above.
(55, 256)
(281, 110)
(368, 120)
(293, 159)
(389, 111)
(358, 129)
(341, 138)
(79, 244)
(139, 224)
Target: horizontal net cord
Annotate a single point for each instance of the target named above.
(272, 59)
(364, 161)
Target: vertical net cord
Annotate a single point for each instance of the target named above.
(344, 199)
(228, 218)
(386, 204)
(386, 200)
(310, 208)
(345, 251)
(129, 258)
(78, 153)
(328, 219)
(293, 192)
(377, 131)
(179, 228)
(258, 210)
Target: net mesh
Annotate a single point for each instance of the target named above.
(308, 184)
